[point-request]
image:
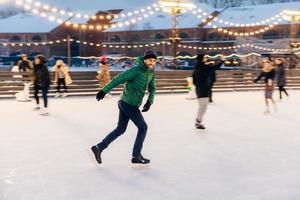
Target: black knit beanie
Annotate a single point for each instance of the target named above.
(200, 57)
(149, 54)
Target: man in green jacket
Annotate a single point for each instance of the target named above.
(137, 80)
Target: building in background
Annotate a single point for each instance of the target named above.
(157, 27)
(195, 32)
(236, 3)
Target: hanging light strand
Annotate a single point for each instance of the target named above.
(273, 20)
(59, 11)
(200, 14)
(154, 44)
(100, 27)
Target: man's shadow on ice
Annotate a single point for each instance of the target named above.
(132, 177)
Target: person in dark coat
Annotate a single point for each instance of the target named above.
(202, 75)
(41, 82)
(213, 78)
(268, 73)
(281, 76)
(24, 64)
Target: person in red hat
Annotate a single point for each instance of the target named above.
(103, 72)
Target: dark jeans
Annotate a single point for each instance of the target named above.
(282, 89)
(61, 81)
(44, 92)
(128, 112)
(211, 85)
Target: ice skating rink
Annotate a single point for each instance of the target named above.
(243, 154)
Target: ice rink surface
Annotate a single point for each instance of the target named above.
(243, 154)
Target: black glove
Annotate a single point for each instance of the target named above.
(146, 106)
(100, 95)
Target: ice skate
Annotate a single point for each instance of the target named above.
(57, 94)
(64, 95)
(199, 125)
(140, 161)
(97, 154)
(44, 112)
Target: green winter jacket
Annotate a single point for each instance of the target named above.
(137, 80)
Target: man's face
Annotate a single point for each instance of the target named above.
(150, 63)
(24, 58)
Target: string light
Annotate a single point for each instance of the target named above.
(275, 19)
(249, 33)
(197, 11)
(28, 4)
(171, 57)
(145, 45)
(143, 13)
(98, 27)
(238, 47)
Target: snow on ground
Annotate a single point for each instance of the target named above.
(243, 155)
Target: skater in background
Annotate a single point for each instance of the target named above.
(137, 80)
(61, 77)
(41, 82)
(202, 80)
(24, 64)
(213, 78)
(281, 76)
(268, 73)
(104, 73)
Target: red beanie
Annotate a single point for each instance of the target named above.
(103, 59)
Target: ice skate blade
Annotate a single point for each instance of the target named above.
(139, 166)
(203, 128)
(92, 157)
(44, 114)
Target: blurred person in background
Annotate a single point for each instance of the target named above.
(41, 82)
(61, 77)
(213, 77)
(268, 73)
(104, 73)
(24, 64)
(202, 77)
(281, 76)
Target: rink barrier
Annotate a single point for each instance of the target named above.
(85, 83)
